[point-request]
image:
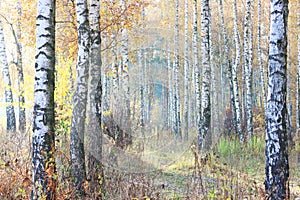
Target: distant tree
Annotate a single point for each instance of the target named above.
(229, 66)
(196, 68)
(176, 106)
(22, 111)
(43, 141)
(247, 66)
(259, 56)
(170, 91)
(277, 164)
(125, 66)
(186, 72)
(77, 153)
(237, 112)
(10, 112)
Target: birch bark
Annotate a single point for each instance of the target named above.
(22, 111)
(43, 142)
(77, 153)
(248, 67)
(196, 69)
(176, 80)
(277, 165)
(186, 72)
(229, 67)
(206, 74)
(94, 132)
(125, 67)
(10, 112)
(234, 75)
(259, 56)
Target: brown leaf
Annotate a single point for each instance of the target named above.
(26, 182)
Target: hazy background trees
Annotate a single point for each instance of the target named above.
(133, 70)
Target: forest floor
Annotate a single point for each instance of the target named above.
(228, 171)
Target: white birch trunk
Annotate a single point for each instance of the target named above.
(10, 112)
(115, 75)
(259, 56)
(206, 74)
(277, 164)
(176, 80)
(22, 111)
(43, 141)
(215, 109)
(142, 95)
(125, 68)
(77, 153)
(94, 133)
(186, 72)
(196, 69)
(248, 67)
(170, 91)
(234, 75)
(229, 67)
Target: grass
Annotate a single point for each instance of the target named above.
(229, 170)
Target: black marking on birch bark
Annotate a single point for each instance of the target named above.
(42, 17)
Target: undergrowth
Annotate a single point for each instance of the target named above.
(229, 170)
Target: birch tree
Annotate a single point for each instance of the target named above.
(186, 72)
(22, 111)
(142, 91)
(259, 56)
(196, 69)
(229, 66)
(170, 91)
(176, 80)
(77, 153)
(248, 67)
(277, 164)
(234, 74)
(94, 132)
(215, 108)
(10, 112)
(43, 142)
(206, 74)
(125, 67)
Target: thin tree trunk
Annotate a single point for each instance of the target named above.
(234, 75)
(248, 67)
(196, 70)
(229, 67)
(95, 170)
(170, 91)
(215, 108)
(125, 69)
(186, 72)
(176, 68)
(22, 111)
(10, 112)
(259, 56)
(206, 74)
(43, 141)
(142, 95)
(77, 152)
(298, 83)
(277, 164)
(115, 76)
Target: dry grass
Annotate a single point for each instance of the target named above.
(228, 171)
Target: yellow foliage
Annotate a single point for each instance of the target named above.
(63, 94)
